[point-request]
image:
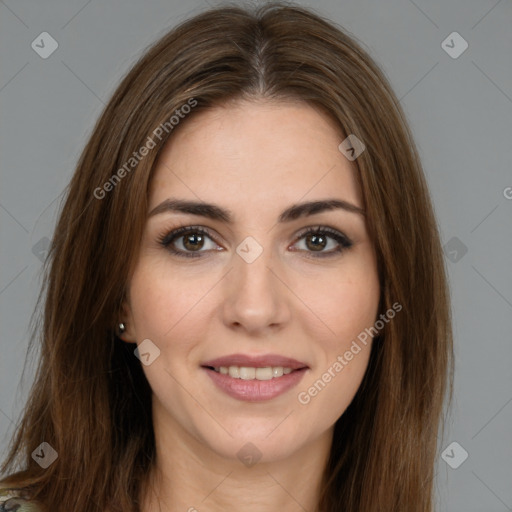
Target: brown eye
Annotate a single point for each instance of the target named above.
(317, 240)
(193, 241)
(188, 241)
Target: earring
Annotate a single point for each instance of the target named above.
(122, 327)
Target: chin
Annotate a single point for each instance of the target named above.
(255, 441)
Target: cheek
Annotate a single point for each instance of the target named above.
(345, 302)
(342, 356)
(161, 300)
(356, 309)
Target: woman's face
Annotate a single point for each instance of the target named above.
(251, 288)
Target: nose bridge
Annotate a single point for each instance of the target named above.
(254, 299)
(251, 266)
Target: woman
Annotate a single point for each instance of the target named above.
(246, 303)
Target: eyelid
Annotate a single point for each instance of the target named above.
(168, 237)
(332, 232)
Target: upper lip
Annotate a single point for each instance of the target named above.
(256, 361)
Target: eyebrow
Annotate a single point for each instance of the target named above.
(215, 212)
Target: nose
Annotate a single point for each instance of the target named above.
(256, 298)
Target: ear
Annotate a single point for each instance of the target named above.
(126, 317)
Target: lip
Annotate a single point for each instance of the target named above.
(261, 361)
(255, 390)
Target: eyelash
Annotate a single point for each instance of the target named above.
(167, 239)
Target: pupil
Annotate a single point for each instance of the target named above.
(195, 240)
(316, 238)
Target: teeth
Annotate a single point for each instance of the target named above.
(234, 372)
(247, 373)
(250, 373)
(278, 371)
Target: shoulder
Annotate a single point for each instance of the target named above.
(16, 501)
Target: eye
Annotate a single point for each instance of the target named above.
(316, 239)
(190, 241)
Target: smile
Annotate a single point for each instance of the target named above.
(251, 373)
(251, 384)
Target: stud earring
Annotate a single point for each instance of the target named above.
(122, 327)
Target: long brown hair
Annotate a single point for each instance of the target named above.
(91, 401)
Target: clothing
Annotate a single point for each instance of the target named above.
(16, 501)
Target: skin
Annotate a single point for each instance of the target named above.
(256, 159)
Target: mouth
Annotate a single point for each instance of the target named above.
(253, 373)
(255, 379)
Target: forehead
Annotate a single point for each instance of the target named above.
(256, 154)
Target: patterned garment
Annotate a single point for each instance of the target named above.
(15, 501)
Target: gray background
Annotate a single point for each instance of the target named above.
(460, 111)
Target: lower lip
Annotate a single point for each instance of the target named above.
(256, 390)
